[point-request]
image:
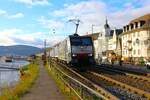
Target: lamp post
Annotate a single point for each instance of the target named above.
(92, 28)
(44, 57)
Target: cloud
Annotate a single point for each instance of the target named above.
(95, 12)
(5, 14)
(50, 24)
(124, 16)
(2, 12)
(80, 8)
(33, 2)
(10, 32)
(89, 12)
(32, 41)
(17, 36)
(15, 16)
(5, 38)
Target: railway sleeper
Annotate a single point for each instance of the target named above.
(102, 91)
(129, 88)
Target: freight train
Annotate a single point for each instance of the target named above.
(75, 50)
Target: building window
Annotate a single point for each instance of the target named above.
(131, 26)
(124, 29)
(133, 34)
(133, 43)
(142, 23)
(127, 27)
(138, 34)
(138, 51)
(134, 52)
(136, 24)
(123, 52)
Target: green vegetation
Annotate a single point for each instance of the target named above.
(27, 78)
(62, 86)
(142, 62)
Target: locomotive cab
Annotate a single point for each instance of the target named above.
(82, 50)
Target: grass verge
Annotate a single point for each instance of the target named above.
(27, 78)
(64, 89)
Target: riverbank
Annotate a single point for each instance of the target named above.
(27, 78)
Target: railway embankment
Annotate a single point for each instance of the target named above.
(28, 75)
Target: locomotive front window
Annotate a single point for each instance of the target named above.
(76, 41)
(86, 41)
(81, 41)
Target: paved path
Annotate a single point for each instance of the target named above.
(44, 88)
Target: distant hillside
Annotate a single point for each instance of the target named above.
(23, 50)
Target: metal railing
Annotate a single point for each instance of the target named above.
(81, 91)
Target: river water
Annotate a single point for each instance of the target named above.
(9, 77)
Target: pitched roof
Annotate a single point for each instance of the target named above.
(94, 35)
(145, 18)
(118, 32)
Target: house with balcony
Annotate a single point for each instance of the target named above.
(136, 39)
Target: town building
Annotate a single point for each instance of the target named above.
(107, 43)
(136, 39)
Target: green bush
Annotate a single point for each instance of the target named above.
(142, 62)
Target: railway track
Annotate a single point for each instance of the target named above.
(142, 76)
(138, 81)
(109, 89)
(105, 94)
(127, 70)
(116, 89)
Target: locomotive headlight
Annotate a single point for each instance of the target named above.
(74, 55)
(90, 54)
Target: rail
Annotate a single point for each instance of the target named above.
(130, 88)
(140, 77)
(96, 87)
(82, 91)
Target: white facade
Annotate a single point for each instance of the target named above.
(136, 44)
(136, 38)
(112, 42)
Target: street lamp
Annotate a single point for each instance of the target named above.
(92, 28)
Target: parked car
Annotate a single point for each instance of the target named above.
(147, 64)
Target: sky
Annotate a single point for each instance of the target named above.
(30, 22)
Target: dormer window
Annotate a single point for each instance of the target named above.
(136, 24)
(124, 28)
(142, 23)
(131, 26)
(127, 27)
